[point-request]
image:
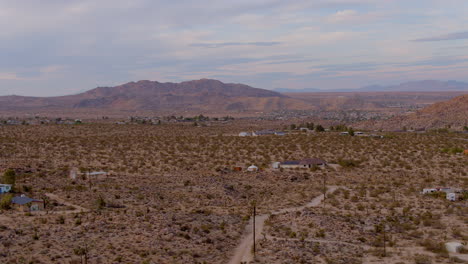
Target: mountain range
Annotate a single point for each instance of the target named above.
(199, 95)
(415, 86)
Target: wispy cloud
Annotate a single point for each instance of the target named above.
(227, 44)
(451, 36)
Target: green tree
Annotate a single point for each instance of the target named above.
(319, 128)
(351, 131)
(5, 203)
(9, 177)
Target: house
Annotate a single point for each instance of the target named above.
(252, 168)
(429, 190)
(263, 133)
(305, 163)
(453, 197)
(4, 188)
(26, 204)
(453, 247)
(276, 165)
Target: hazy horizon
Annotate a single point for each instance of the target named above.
(58, 48)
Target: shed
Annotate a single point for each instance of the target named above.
(252, 168)
(453, 247)
(245, 134)
(452, 197)
(275, 165)
(4, 188)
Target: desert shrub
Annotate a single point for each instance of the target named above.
(434, 246)
(422, 259)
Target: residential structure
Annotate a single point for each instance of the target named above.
(4, 188)
(268, 132)
(252, 168)
(305, 163)
(26, 204)
(453, 197)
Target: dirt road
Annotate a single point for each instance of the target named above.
(243, 252)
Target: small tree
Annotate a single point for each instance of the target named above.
(5, 203)
(9, 177)
(319, 128)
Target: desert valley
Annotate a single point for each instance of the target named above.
(106, 177)
(234, 132)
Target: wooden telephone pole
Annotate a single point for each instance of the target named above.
(253, 220)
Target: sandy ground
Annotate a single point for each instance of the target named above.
(243, 253)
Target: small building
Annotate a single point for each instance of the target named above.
(453, 197)
(344, 133)
(279, 133)
(429, 190)
(245, 134)
(26, 204)
(276, 165)
(237, 168)
(359, 133)
(465, 152)
(263, 133)
(305, 163)
(252, 168)
(4, 188)
(453, 247)
(96, 173)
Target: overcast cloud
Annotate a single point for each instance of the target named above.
(55, 47)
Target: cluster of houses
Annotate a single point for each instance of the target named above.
(22, 202)
(451, 194)
(40, 121)
(262, 133)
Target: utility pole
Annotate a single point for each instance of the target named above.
(253, 220)
(324, 189)
(384, 241)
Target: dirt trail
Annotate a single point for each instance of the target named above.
(243, 252)
(78, 208)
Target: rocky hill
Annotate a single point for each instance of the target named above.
(201, 95)
(452, 113)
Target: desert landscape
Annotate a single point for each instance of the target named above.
(187, 197)
(234, 132)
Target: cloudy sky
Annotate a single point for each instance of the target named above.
(56, 47)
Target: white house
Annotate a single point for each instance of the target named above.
(429, 190)
(453, 247)
(4, 188)
(452, 197)
(275, 165)
(252, 168)
(245, 134)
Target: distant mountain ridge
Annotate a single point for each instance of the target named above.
(414, 86)
(197, 95)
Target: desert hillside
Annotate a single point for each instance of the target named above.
(452, 113)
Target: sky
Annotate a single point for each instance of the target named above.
(56, 47)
